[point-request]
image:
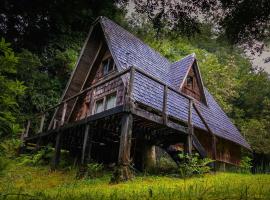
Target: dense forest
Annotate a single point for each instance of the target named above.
(41, 40)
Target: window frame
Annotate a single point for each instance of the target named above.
(105, 70)
(104, 99)
(95, 105)
(114, 93)
(192, 82)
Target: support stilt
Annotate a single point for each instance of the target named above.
(123, 172)
(85, 142)
(57, 152)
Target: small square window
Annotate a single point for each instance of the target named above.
(108, 66)
(190, 81)
(110, 101)
(99, 106)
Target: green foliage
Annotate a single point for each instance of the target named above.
(242, 92)
(10, 147)
(28, 182)
(246, 165)
(193, 165)
(41, 157)
(11, 89)
(3, 165)
(94, 170)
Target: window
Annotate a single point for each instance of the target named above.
(99, 106)
(110, 101)
(108, 66)
(190, 81)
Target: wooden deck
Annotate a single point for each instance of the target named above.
(111, 127)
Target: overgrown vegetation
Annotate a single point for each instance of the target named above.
(193, 165)
(38, 182)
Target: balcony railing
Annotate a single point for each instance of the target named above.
(151, 92)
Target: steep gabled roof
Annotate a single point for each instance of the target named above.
(179, 70)
(131, 51)
(127, 50)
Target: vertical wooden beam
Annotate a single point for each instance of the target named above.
(165, 99)
(27, 128)
(214, 150)
(125, 146)
(54, 123)
(131, 81)
(63, 114)
(128, 99)
(85, 142)
(190, 129)
(57, 151)
(41, 123)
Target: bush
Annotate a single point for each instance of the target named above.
(245, 165)
(193, 165)
(91, 170)
(3, 165)
(10, 147)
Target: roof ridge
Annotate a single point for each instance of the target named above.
(192, 54)
(136, 37)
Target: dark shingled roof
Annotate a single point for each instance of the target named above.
(128, 50)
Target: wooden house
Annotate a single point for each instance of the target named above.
(123, 99)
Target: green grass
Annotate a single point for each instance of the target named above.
(24, 182)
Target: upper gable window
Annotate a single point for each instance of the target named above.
(190, 81)
(108, 66)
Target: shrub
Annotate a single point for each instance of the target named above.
(3, 165)
(91, 170)
(41, 157)
(10, 147)
(193, 165)
(95, 170)
(245, 165)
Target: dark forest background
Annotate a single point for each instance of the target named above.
(41, 40)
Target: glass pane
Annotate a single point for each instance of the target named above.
(99, 106)
(110, 101)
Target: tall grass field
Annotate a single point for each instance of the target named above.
(24, 182)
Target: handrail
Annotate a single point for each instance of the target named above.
(132, 70)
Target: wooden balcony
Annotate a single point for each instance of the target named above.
(152, 123)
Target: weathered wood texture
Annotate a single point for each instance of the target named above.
(194, 89)
(85, 107)
(125, 146)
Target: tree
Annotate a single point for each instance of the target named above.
(11, 89)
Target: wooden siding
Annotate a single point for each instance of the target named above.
(195, 90)
(85, 107)
(227, 151)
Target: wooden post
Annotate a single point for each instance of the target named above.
(54, 123)
(41, 123)
(63, 114)
(125, 146)
(85, 141)
(90, 141)
(149, 157)
(214, 150)
(164, 110)
(128, 101)
(190, 129)
(57, 151)
(27, 128)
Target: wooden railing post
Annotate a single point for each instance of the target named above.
(41, 123)
(131, 83)
(63, 114)
(165, 99)
(27, 128)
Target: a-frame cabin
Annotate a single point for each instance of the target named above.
(123, 99)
